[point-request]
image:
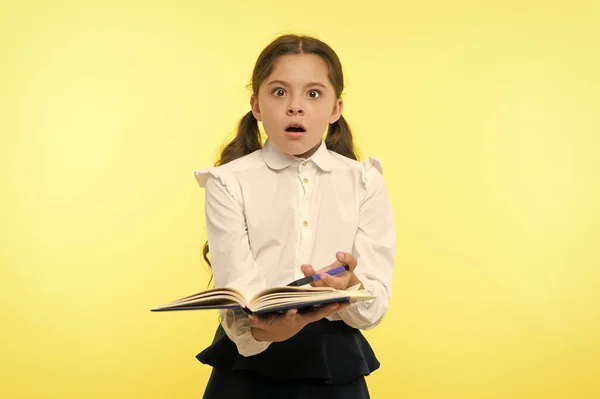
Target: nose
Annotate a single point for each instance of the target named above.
(294, 108)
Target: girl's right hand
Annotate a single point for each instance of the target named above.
(277, 328)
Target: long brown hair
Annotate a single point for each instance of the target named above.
(247, 140)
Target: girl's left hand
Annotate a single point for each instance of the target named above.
(340, 281)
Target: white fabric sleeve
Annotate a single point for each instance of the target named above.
(374, 248)
(230, 254)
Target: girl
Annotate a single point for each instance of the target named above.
(297, 206)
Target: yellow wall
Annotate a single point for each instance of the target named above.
(486, 118)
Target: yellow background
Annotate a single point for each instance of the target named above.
(487, 121)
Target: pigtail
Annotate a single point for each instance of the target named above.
(339, 139)
(246, 141)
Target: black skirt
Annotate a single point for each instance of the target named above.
(327, 359)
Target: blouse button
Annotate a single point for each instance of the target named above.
(304, 163)
(305, 223)
(305, 180)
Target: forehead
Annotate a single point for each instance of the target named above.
(300, 68)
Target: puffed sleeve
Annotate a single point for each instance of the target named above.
(374, 248)
(231, 258)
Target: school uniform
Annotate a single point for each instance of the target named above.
(268, 213)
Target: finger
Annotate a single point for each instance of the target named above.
(290, 315)
(322, 272)
(331, 266)
(327, 310)
(308, 270)
(340, 306)
(254, 321)
(347, 259)
(336, 282)
(261, 321)
(322, 312)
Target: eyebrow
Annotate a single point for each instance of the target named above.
(281, 82)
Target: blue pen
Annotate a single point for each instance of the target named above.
(316, 277)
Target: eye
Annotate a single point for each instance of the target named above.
(314, 93)
(279, 92)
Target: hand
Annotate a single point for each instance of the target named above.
(277, 328)
(340, 281)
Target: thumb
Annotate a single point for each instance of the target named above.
(347, 259)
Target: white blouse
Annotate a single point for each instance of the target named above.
(268, 213)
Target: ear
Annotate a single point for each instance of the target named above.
(255, 107)
(337, 110)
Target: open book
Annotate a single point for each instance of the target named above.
(270, 300)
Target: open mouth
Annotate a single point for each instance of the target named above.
(295, 128)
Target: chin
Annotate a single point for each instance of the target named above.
(298, 149)
(295, 146)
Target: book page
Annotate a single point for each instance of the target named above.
(286, 290)
(278, 299)
(214, 296)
